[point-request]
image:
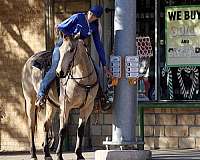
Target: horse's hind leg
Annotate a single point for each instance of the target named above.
(84, 114)
(30, 109)
(50, 110)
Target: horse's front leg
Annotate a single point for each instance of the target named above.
(80, 134)
(64, 114)
(46, 147)
(84, 114)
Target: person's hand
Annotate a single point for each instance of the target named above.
(77, 35)
(107, 71)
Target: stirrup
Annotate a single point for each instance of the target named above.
(106, 104)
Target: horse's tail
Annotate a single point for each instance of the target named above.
(36, 111)
(25, 107)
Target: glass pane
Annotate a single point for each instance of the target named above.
(179, 77)
(145, 48)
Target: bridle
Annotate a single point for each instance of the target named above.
(69, 75)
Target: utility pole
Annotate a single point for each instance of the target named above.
(125, 100)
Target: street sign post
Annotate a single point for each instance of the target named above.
(132, 66)
(115, 64)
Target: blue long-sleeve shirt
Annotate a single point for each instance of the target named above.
(78, 23)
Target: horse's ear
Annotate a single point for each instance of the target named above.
(77, 36)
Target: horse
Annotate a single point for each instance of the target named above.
(78, 89)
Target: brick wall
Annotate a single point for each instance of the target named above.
(172, 128)
(21, 35)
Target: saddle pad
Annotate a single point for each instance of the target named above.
(42, 60)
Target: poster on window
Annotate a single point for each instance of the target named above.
(182, 35)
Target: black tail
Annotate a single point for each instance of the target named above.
(36, 110)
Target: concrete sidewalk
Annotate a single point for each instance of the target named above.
(156, 155)
(188, 154)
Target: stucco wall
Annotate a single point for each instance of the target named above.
(21, 35)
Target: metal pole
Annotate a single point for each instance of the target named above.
(125, 100)
(157, 50)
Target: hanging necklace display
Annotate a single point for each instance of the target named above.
(145, 52)
(192, 71)
(167, 70)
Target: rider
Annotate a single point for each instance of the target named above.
(80, 23)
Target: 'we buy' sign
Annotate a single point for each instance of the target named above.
(182, 33)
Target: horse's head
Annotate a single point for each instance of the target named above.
(67, 53)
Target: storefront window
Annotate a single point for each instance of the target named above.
(179, 48)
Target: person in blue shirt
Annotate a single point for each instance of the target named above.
(83, 24)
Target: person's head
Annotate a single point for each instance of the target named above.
(94, 13)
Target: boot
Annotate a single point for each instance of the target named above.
(104, 99)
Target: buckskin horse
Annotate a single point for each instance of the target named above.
(78, 89)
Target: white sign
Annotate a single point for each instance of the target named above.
(182, 35)
(132, 66)
(132, 75)
(131, 69)
(116, 74)
(115, 64)
(132, 59)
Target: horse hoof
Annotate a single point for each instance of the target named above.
(81, 158)
(60, 158)
(48, 158)
(34, 158)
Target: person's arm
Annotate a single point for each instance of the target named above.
(101, 52)
(99, 47)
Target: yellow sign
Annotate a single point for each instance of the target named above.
(182, 33)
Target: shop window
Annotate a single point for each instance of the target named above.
(179, 80)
